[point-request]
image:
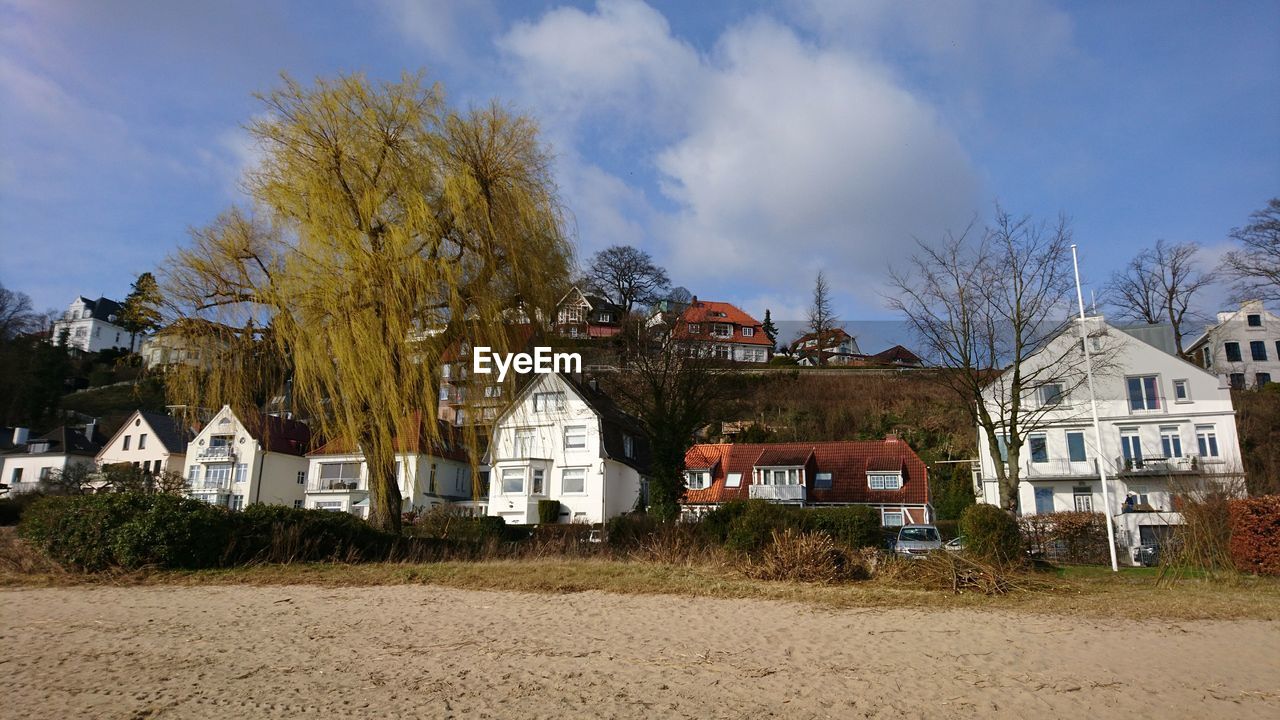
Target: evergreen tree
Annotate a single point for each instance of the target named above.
(141, 310)
(770, 330)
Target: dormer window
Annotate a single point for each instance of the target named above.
(697, 479)
(748, 332)
(1051, 394)
(695, 329)
(38, 447)
(724, 330)
(884, 481)
(606, 317)
(779, 476)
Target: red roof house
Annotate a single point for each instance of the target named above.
(728, 332)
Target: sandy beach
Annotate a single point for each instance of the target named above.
(290, 651)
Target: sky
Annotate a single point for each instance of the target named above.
(745, 145)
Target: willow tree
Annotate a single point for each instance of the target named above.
(386, 228)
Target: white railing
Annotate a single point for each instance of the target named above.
(1060, 469)
(207, 486)
(778, 493)
(333, 485)
(218, 453)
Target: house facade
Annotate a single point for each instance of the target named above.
(723, 331)
(836, 347)
(467, 399)
(564, 440)
(1242, 349)
(583, 315)
(92, 326)
(428, 474)
(32, 460)
(151, 442)
(1167, 427)
(236, 463)
(883, 474)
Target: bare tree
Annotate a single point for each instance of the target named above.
(74, 479)
(822, 317)
(1255, 267)
(992, 300)
(1159, 285)
(629, 276)
(16, 315)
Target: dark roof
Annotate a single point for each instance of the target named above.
(897, 355)
(599, 302)
(847, 461)
(172, 435)
(102, 308)
(65, 441)
(277, 434)
(832, 336)
(614, 424)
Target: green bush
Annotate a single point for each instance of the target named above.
(11, 508)
(98, 532)
(754, 528)
(627, 532)
(715, 525)
(991, 534)
(279, 534)
(443, 523)
(854, 526)
(548, 511)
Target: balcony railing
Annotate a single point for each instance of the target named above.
(333, 485)
(1163, 465)
(778, 493)
(1060, 469)
(217, 453)
(209, 486)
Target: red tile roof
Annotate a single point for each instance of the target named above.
(847, 461)
(705, 313)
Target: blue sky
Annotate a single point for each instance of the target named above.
(745, 145)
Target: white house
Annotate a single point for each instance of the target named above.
(152, 442)
(429, 474)
(1167, 426)
(1243, 349)
(32, 460)
(564, 440)
(92, 325)
(236, 463)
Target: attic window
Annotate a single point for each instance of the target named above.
(748, 332)
(733, 480)
(38, 447)
(699, 479)
(822, 481)
(695, 328)
(884, 481)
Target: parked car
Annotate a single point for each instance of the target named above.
(954, 545)
(917, 541)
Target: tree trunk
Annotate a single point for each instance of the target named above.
(385, 501)
(1009, 485)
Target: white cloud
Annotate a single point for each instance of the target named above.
(773, 157)
(444, 28)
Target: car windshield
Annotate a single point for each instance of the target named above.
(921, 534)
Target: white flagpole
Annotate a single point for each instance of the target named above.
(1093, 405)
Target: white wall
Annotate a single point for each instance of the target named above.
(154, 452)
(1235, 328)
(270, 477)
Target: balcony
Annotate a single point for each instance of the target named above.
(333, 486)
(778, 493)
(1059, 468)
(1166, 466)
(211, 486)
(217, 453)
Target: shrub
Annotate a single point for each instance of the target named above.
(548, 511)
(1071, 537)
(279, 534)
(854, 526)
(98, 532)
(1202, 542)
(1255, 534)
(715, 525)
(754, 528)
(991, 534)
(443, 523)
(627, 532)
(11, 508)
(805, 557)
(948, 529)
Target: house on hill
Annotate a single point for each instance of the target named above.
(92, 326)
(884, 474)
(582, 315)
(836, 347)
(235, 462)
(896, 356)
(565, 440)
(1242, 349)
(429, 473)
(722, 330)
(1167, 428)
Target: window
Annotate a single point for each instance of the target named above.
(444, 393)
(571, 314)
(748, 332)
(1254, 320)
(513, 480)
(698, 479)
(445, 370)
(1144, 393)
(431, 481)
(302, 477)
(1171, 441)
(1258, 350)
(1237, 381)
(822, 481)
(695, 328)
(237, 502)
(142, 441)
(573, 480)
(884, 481)
(1207, 440)
(538, 475)
(628, 446)
(242, 470)
(193, 473)
(575, 436)
(1141, 492)
(1208, 356)
(17, 476)
(524, 442)
(44, 472)
(1233, 351)
(338, 476)
(1044, 500)
(1263, 378)
(606, 317)
(1181, 391)
(1002, 443)
(125, 446)
(891, 518)
(733, 480)
(1083, 498)
(1039, 448)
(544, 401)
(493, 391)
(1278, 348)
(1075, 447)
(1051, 394)
(297, 504)
(780, 476)
(217, 475)
(1131, 447)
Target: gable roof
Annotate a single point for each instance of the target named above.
(171, 435)
(275, 433)
(897, 355)
(707, 312)
(102, 308)
(834, 336)
(848, 461)
(65, 440)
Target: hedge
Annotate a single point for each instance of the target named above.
(1069, 537)
(748, 526)
(1255, 534)
(991, 534)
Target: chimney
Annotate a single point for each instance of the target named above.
(20, 435)
(89, 427)
(891, 437)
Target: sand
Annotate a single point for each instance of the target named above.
(244, 651)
